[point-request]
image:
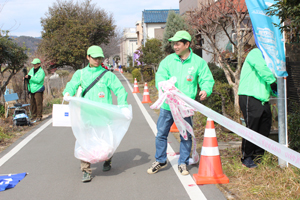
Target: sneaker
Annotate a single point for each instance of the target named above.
(183, 170)
(107, 165)
(86, 177)
(156, 166)
(248, 162)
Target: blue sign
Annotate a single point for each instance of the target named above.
(10, 181)
(66, 114)
(268, 38)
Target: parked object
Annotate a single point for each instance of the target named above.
(20, 116)
(11, 103)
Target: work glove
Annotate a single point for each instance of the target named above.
(127, 113)
(67, 96)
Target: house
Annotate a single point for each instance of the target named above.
(153, 23)
(128, 45)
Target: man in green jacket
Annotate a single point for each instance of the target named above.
(254, 94)
(36, 89)
(189, 70)
(100, 92)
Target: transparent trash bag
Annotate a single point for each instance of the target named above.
(98, 129)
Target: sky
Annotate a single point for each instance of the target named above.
(22, 17)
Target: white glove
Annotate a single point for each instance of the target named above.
(127, 113)
(67, 97)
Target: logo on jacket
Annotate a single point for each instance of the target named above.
(190, 70)
(189, 78)
(101, 95)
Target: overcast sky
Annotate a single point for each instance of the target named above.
(22, 17)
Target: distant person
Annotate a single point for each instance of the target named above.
(189, 70)
(109, 82)
(36, 89)
(254, 94)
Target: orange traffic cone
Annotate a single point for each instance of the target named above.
(135, 87)
(174, 128)
(210, 166)
(146, 97)
(121, 70)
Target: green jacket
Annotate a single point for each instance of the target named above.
(193, 71)
(256, 77)
(36, 80)
(101, 91)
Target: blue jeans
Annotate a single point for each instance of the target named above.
(164, 124)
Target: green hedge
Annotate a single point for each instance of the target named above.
(136, 74)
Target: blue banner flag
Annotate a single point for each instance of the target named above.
(268, 38)
(10, 181)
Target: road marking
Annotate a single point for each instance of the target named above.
(17, 148)
(187, 181)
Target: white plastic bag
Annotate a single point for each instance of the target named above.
(98, 129)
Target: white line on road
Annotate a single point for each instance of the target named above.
(187, 181)
(17, 148)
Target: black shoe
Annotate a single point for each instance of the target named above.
(183, 170)
(107, 165)
(86, 177)
(248, 162)
(156, 166)
(38, 120)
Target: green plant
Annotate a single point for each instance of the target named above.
(2, 110)
(130, 69)
(151, 83)
(293, 126)
(136, 74)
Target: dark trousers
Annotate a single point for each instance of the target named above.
(36, 104)
(258, 118)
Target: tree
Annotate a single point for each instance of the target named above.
(69, 29)
(12, 59)
(289, 13)
(216, 22)
(174, 23)
(113, 47)
(151, 53)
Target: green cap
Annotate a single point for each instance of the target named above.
(179, 35)
(95, 51)
(36, 61)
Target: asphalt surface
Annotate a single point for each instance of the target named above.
(54, 172)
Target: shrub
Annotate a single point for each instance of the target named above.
(2, 110)
(148, 74)
(293, 126)
(136, 74)
(130, 69)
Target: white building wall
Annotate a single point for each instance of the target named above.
(151, 27)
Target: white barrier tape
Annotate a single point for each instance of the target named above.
(210, 133)
(210, 151)
(271, 146)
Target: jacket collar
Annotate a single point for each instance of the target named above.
(191, 52)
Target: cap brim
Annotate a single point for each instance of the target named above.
(97, 55)
(175, 39)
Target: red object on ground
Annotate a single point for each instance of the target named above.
(210, 166)
(146, 96)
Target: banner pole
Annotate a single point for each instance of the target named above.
(281, 117)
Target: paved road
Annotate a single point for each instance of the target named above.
(54, 172)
